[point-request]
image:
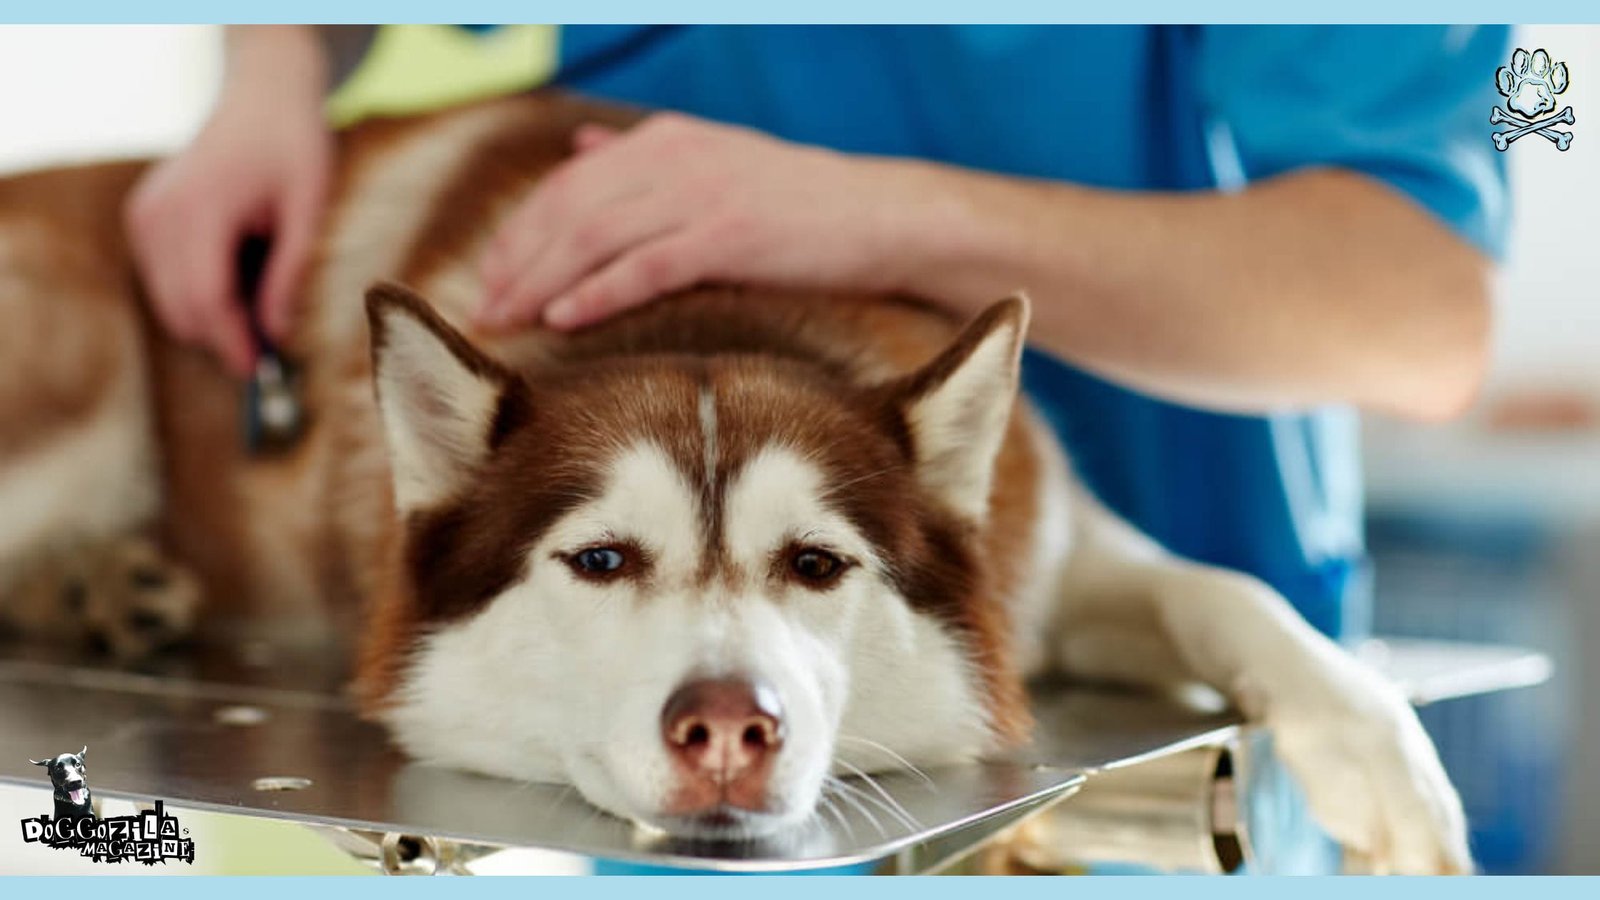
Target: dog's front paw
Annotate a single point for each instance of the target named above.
(123, 596)
(1369, 771)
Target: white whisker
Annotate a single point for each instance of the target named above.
(905, 764)
(845, 792)
(893, 804)
(899, 818)
(828, 805)
(855, 481)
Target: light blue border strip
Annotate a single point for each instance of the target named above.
(711, 888)
(836, 11)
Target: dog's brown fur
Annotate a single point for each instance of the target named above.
(415, 201)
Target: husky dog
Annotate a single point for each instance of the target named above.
(690, 560)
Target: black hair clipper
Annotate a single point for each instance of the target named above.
(273, 415)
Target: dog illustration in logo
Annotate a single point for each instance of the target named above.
(68, 774)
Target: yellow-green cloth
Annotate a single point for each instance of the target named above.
(417, 68)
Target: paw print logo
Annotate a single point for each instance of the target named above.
(1530, 85)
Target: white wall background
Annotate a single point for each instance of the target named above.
(1549, 313)
(75, 92)
(1547, 334)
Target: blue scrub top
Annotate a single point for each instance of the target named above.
(1171, 108)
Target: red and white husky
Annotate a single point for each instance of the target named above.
(688, 560)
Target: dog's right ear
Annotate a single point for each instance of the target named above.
(957, 407)
(445, 404)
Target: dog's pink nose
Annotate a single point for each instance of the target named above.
(723, 734)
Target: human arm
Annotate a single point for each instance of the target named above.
(1342, 257)
(1313, 287)
(1317, 286)
(259, 166)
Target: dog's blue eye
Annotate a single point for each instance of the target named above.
(598, 560)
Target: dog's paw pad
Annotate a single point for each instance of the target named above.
(74, 595)
(146, 576)
(148, 621)
(146, 601)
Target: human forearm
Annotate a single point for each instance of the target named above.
(1318, 287)
(284, 60)
(1315, 287)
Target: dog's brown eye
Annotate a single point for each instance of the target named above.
(597, 561)
(816, 567)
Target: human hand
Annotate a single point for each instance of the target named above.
(260, 166)
(678, 200)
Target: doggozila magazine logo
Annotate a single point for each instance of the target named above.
(151, 836)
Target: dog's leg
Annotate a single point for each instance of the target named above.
(123, 596)
(1135, 613)
(78, 463)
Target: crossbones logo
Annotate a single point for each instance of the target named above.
(1530, 85)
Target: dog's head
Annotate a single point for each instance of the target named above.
(688, 585)
(69, 776)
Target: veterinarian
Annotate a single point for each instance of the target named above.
(1233, 236)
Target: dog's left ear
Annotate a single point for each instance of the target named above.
(40, 762)
(445, 403)
(958, 405)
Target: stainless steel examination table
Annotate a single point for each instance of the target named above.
(265, 731)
